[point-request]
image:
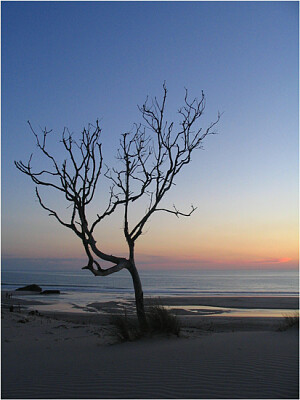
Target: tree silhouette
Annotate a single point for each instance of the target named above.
(150, 158)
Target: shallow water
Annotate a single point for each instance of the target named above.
(118, 304)
(233, 312)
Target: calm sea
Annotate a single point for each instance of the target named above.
(161, 283)
(79, 288)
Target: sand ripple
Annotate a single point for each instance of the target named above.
(222, 365)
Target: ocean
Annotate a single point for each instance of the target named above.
(81, 283)
(161, 283)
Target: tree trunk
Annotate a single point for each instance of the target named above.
(139, 297)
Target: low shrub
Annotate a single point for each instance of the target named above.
(290, 321)
(126, 329)
(161, 320)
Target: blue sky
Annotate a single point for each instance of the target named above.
(68, 63)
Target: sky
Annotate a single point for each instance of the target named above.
(65, 64)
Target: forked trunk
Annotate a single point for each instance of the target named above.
(139, 297)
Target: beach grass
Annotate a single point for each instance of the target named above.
(160, 321)
(290, 321)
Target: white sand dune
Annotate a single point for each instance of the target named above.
(46, 358)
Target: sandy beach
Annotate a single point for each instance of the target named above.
(77, 355)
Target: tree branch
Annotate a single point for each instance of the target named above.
(177, 212)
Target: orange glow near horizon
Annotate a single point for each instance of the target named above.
(156, 251)
(226, 263)
(195, 243)
(156, 262)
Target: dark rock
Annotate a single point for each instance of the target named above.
(30, 288)
(51, 292)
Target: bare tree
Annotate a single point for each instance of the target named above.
(150, 158)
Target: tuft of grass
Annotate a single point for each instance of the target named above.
(126, 329)
(290, 321)
(161, 320)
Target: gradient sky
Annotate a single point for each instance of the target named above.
(68, 63)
